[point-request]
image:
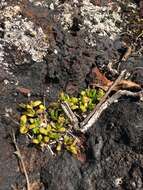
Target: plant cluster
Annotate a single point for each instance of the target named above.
(86, 100)
(49, 126)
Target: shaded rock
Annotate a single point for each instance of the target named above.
(114, 159)
(63, 169)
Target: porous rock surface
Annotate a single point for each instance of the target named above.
(49, 46)
(114, 154)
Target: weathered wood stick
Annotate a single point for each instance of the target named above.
(107, 103)
(69, 113)
(103, 99)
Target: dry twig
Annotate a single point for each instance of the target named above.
(83, 123)
(112, 99)
(110, 67)
(18, 153)
(69, 113)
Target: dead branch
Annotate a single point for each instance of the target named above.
(69, 113)
(106, 104)
(110, 67)
(18, 153)
(103, 99)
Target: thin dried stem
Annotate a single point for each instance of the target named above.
(18, 153)
(69, 113)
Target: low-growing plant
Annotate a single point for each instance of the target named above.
(49, 126)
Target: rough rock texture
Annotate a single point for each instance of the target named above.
(114, 154)
(49, 46)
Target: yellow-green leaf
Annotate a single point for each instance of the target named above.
(73, 149)
(29, 112)
(46, 139)
(43, 131)
(74, 100)
(23, 129)
(35, 141)
(100, 94)
(61, 119)
(36, 103)
(23, 120)
(35, 130)
(28, 106)
(54, 136)
(67, 140)
(74, 107)
(59, 147)
(62, 129)
(32, 126)
(48, 128)
(39, 137)
(31, 120)
(83, 108)
(42, 107)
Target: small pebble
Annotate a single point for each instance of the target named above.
(6, 81)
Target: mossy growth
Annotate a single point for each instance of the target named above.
(49, 126)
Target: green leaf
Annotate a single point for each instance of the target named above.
(54, 114)
(94, 94)
(68, 140)
(28, 106)
(61, 119)
(73, 149)
(74, 107)
(85, 99)
(23, 120)
(43, 130)
(36, 103)
(32, 126)
(59, 147)
(48, 128)
(39, 137)
(35, 141)
(35, 130)
(62, 129)
(54, 136)
(83, 93)
(37, 122)
(63, 96)
(46, 139)
(83, 108)
(100, 94)
(32, 120)
(91, 106)
(23, 129)
(29, 112)
(74, 100)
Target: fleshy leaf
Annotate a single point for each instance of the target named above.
(23, 129)
(23, 120)
(59, 147)
(36, 103)
(35, 141)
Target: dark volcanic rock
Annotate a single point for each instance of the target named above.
(62, 173)
(114, 159)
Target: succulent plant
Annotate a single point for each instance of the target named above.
(50, 126)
